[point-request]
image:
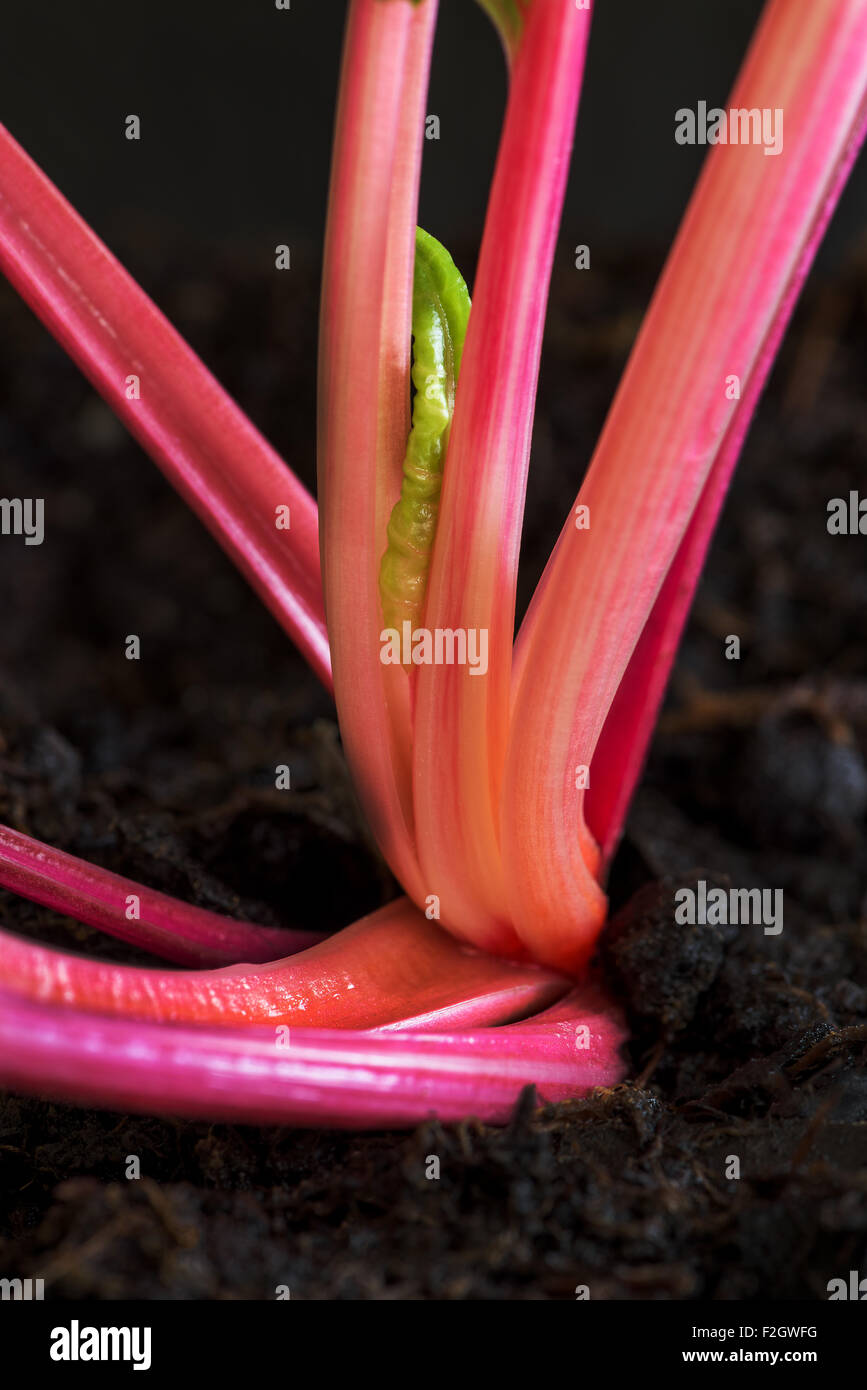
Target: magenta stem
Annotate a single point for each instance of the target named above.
(207, 448)
(313, 1076)
(169, 928)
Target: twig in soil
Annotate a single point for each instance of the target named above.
(814, 1128)
(707, 710)
(831, 1043)
(650, 1066)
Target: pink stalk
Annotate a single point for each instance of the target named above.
(742, 248)
(390, 967)
(207, 448)
(508, 16)
(346, 1079)
(164, 925)
(364, 392)
(462, 720)
(629, 725)
(508, 854)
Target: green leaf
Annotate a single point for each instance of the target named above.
(508, 18)
(440, 312)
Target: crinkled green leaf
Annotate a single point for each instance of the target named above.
(440, 312)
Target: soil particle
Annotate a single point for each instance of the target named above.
(661, 966)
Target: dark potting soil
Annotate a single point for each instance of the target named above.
(746, 1045)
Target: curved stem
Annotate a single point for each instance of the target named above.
(182, 417)
(629, 725)
(740, 250)
(349, 1079)
(462, 714)
(389, 968)
(169, 928)
(364, 393)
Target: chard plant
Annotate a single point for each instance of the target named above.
(495, 772)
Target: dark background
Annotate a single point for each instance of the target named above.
(236, 100)
(163, 769)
